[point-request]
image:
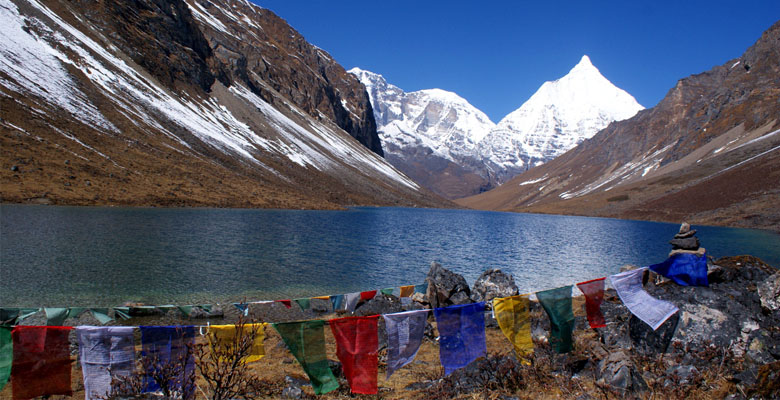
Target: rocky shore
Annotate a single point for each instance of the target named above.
(723, 343)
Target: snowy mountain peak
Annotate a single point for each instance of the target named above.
(435, 119)
(560, 115)
(584, 65)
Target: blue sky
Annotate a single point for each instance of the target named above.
(496, 54)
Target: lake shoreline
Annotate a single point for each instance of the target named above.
(330, 207)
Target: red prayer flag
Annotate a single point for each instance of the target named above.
(357, 343)
(367, 295)
(287, 303)
(41, 364)
(594, 295)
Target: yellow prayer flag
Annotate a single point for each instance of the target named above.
(514, 321)
(226, 335)
(327, 298)
(407, 291)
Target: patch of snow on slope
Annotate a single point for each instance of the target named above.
(343, 147)
(532, 181)
(35, 68)
(620, 175)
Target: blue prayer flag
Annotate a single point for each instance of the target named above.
(169, 348)
(462, 335)
(684, 268)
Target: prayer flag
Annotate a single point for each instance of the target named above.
(357, 342)
(326, 298)
(287, 303)
(168, 350)
(105, 352)
(351, 300)
(101, 314)
(55, 316)
(387, 291)
(594, 295)
(41, 363)
(337, 301)
(421, 288)
(124, 312)
(405, 332)
(557, 304)
(462, 335)
(367, 295)
(186, 310)
(512, 316)
(242, 307)
(6, 355)
(684, 269)
(306, 341)
(13, 316)
(407, 291)
(652, 311)
(229, 335)
(305, 304)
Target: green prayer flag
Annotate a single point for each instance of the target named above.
(304, 303)
(122, 312)
(26, 312)
(205, 307)
(306, 341)
(74, 312)
(557, 304)
(13, 316)
(55, 316)
(101, 314)
(387, 291)
(8, 316)
(186, 310)
(6, 355)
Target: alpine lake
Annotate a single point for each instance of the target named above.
(106, 256)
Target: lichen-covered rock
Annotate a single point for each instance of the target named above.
(446, 288)
(493, 283)
(769, 293)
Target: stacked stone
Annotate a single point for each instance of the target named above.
(685, 241)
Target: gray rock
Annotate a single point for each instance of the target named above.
(493, 283)
(446, 288)
(619, 371)
(689, 243)
(292, 393)
(769, 293)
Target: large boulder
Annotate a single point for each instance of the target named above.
(446, 288)
(493, 283)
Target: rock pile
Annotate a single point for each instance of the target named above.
(685, 241)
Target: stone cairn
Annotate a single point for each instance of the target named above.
(685, 241)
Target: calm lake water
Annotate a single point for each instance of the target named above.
(84, 256)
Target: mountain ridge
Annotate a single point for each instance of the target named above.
(713, 129)
(454, 149)
(96, 114)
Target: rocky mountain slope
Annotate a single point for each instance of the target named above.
(709, 152)
(182, 103)
(451, 147)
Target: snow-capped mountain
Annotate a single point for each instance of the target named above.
(707, 153)
(428, 133)
(182, 102)
(559, 116)
(423, 132)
